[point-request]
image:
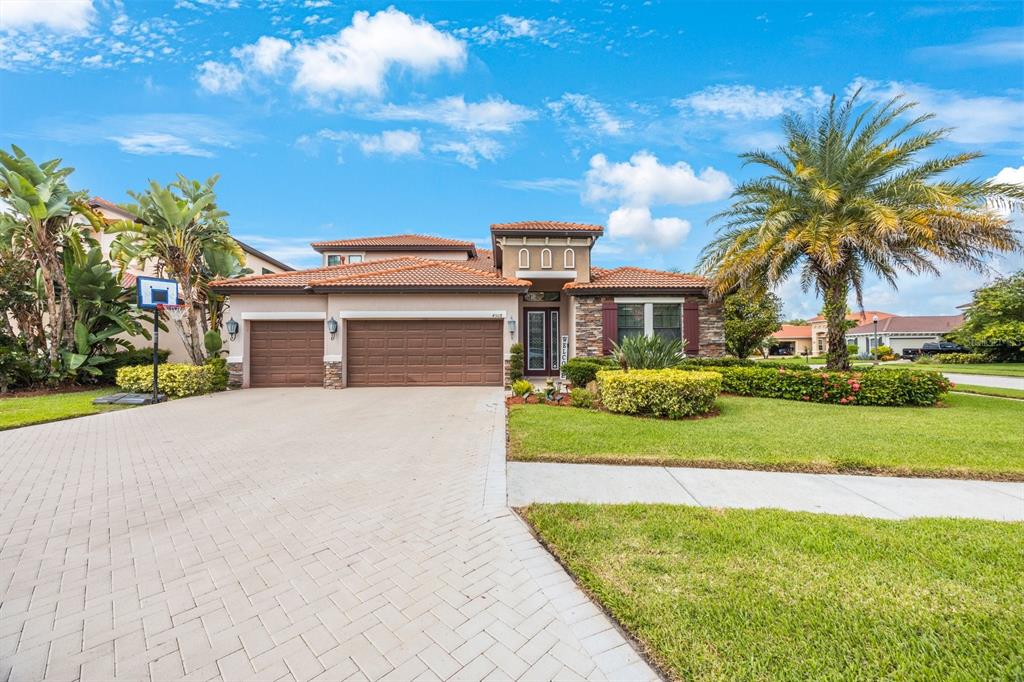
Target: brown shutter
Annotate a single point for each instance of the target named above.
(691, 327)
(609, 325)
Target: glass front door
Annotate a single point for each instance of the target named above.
(540, 341)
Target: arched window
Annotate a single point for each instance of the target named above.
(524, 259)
(569, 259)
(545, 258)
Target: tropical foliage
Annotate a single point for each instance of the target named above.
(647, 352)
(856, 191)
(994, 322)
(670, 393)
(183, 234)
(749, 320)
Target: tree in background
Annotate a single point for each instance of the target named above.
(180, 229)
(994, 323)
(749, 320)
(797, 322)
(849, 194)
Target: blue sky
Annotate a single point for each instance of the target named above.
(328, 119)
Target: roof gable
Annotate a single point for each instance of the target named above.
(628, 278)
(403, 242)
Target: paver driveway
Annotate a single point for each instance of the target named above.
(284, 534)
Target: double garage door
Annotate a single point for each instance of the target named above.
(380, 353)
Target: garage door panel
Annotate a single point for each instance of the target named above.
(424, 352)
(286, 353)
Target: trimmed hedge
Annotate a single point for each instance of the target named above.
(888, 387)
(689, 363)
(176, 380)
(127, 358)
(671, 393)
(961, 358)
(582, 370)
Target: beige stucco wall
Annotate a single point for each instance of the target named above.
(383, 255)
(363, 306)
(581, 273)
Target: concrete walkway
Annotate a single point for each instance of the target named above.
(285, 534)
(876, 496)
(986, 380)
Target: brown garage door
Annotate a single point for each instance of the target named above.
(424, 353)
(286, 353)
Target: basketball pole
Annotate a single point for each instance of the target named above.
(156, 354)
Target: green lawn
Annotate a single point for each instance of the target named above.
(773, 595)
(990, 390)
(15, 412)
(972, 436)
(1006, 369)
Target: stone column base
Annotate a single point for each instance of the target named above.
(334, 376)
(234, 374)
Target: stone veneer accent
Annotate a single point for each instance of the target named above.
(234, 374)
(589, 327)
(590, 331)
(334, 376)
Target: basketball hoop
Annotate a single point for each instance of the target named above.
(176, 312)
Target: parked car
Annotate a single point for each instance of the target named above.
(910, 353)
(940, 347)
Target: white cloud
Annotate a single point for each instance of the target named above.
(220, 79)
(391, 143)
(469, 151)
(157, 143)
(1010, 175)
(507, 28)
(1004, 206)
(265, 56)
(553, 185)
(316, 4)
(994, 46)
(583, 113)
(749, 103)
(494, 114)
(636, 223)
(643, 181)
(976, 120)
(61, 16)
(358, 59)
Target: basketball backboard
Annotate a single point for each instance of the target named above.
(153, 292)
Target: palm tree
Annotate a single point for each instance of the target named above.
(41, 219)
(848, 195)
(180, 229)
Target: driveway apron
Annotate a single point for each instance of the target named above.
(284, 534)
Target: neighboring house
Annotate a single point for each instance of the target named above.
(901, 333)
(792, 339)
(419, 310)
(257, 261)
(819, 327)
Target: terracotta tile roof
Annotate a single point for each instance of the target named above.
(793, 331)
(629, 277)
(404, 272)
(396, 240)
(546, 226)
(858, 317)
(931, 324)
(484, 261)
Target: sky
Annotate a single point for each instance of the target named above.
(328, 119)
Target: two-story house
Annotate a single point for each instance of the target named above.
(420, 310)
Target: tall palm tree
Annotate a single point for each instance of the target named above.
(849, 194)
(181, 230)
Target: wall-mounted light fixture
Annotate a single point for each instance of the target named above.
(332, 327)
(511, 322)
(232, 327)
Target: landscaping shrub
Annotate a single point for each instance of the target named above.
(515, 363)
(522, 388)
(962, 358)
(581, 371)
(668, 393)
(126, 358)
(218, 373)
(696, 363)
(581, 397)
(647, 352)
(176, 380)
(888, 387)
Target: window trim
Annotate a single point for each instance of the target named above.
(545, 259)
(648, 303)
(569, 259)
(358, 256)
(341, 259)
(524, 263)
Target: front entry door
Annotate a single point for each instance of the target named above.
(540, 341)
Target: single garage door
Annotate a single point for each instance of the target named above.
(286, 353)
(424, 353)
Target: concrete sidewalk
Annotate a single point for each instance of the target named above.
(877, 496)
(993, 381)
